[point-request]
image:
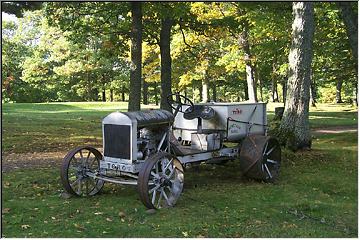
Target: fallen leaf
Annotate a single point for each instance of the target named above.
(121, 214)
(5, 210)
(185, 234)
(79, 226)
(98, 213)
(109, 219)
(25, 226)
(122, 220)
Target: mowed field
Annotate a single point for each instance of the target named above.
(316, 195)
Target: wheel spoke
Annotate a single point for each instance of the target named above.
(153, 197)
(92, 184)
(87, 159)
(79, 187)
(271, 150)
(166, 197)
(168, 165)
(265, 148)
(161, 193)
(86, 186)
(154, 188)
(76, 160)
(267, 170)
(82, 158)
(75, 182)
(155, 175)
(92, 162)
(76, 168)
(271, 161)
(171, 173)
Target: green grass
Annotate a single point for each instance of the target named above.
(40, 127)
(316, 195)
(217, 202)
(325, 115)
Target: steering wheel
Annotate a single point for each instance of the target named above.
(180, 101)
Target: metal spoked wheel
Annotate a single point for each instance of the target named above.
(161, 181)
(76, 164)
(260, 158)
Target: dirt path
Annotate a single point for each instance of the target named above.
(15, 161)
(336, 129)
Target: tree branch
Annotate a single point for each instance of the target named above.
(184, 40)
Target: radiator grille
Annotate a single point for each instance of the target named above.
(117, 141)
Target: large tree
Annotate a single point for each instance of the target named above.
(350, 20)
(165, 32)
(294, 127)
(136, 53)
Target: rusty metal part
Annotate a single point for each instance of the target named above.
(260, 158)
(76, 164)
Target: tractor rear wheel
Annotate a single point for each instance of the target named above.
(260, 158)
(160, 181)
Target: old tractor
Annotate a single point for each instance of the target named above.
(151, 148)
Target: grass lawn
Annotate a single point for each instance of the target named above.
(316, 195)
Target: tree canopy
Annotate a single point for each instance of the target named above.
(221, 51)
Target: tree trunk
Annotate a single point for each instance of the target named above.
(274, 88)
(258, 79)
(205, 90)
(123, 94)
(313, 94)
(214, 95)
(338, 91)
(284, 87)
(350, 20)
(89, 87)
(103, 95)
(274, 91)
(165, 32)
(246, 92)
(136, 52)
(145, 92)
(244, 43)
(355, 93)
(201, 92)
(156, 95)
(294, 127)
(111, 95)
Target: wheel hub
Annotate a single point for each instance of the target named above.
(165, 182)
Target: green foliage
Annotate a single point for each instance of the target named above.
(73, 51)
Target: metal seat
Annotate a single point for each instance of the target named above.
(199, 111)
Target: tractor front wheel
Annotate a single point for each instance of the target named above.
(161, 181)
(76, 164)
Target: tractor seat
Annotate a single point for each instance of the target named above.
(199, 111)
